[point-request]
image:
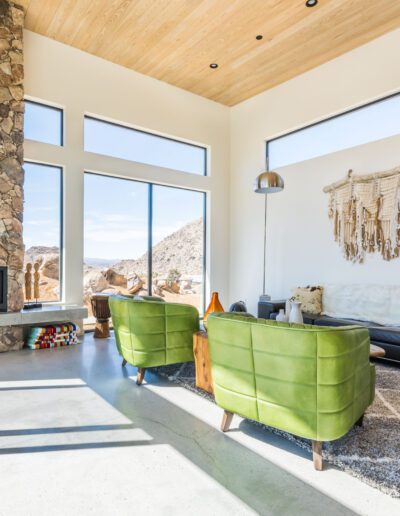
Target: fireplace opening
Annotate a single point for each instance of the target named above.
(3, 289)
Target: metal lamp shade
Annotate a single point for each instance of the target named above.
(268, 182)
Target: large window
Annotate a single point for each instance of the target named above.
(115, 236)
(368, 123)
(132, 228)
(124, 142)
(178, 245)
(43, 123)
(42, 227)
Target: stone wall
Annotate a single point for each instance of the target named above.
(11, 161)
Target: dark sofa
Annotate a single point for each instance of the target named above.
(386, 337)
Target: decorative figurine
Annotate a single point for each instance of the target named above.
(28, 282)
(28, 286)
(36, 278)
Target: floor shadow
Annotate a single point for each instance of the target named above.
(63, 430)
(68, 447)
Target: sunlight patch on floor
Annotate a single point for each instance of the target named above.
(55, 407)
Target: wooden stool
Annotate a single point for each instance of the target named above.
(101, 311)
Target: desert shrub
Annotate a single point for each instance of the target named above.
(173, 276)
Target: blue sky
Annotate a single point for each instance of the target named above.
(115, 214)
(42, 123)
(370, 123)
(114, 140)
(115, 210)
(42, 205)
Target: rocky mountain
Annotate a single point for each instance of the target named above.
(49, 261)
(38, 252)
(98, 262)
(182, 250)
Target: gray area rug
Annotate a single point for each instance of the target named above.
(370, 453)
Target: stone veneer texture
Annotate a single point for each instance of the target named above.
(11, 161)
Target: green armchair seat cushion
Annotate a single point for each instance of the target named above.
(314, 382)
(151, 333)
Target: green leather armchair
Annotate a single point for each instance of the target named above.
(312, 381)
(150, 332)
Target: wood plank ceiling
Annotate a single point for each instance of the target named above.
(176, 40)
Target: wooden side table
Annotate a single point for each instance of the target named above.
(202, 361)
(376, 351)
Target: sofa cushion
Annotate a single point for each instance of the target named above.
(378, 333)
(310, 318)
(310, 299)
(307, 318)
(385, 334)
(325, 320)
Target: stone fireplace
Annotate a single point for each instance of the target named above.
(11, 162)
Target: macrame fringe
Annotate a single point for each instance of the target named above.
(365, 211)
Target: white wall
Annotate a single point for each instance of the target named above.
(367, 73)
(302, 250)
(82, 83)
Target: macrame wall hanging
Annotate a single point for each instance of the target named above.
(366, 214)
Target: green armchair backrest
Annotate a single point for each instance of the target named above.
(151, 333)
(311, 381)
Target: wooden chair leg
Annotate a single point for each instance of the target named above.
(140, 375)
(123, 362)
(226, 420)
(360, 421)
(317, 455)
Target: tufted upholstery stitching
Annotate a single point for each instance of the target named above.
(338, 361)
(150, 333)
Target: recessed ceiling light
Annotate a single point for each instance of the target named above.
(311, 3)
(259, 36)
(213, 65)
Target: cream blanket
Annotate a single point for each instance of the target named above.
(377, 303)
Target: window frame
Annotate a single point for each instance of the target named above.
(205, 149)
(324, 120)
(28, 100)
(61, 232)
(150, 212)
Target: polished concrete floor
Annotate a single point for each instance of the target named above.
(77, 436)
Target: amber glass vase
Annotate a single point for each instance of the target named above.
(214, 306)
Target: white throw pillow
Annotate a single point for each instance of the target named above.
(376, 303)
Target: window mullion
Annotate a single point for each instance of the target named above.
(150, 241)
